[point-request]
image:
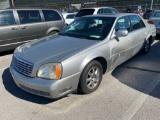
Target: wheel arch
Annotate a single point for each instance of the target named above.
(52, 29)
(150, 38)
(99, 58)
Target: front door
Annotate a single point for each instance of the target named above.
(121, 47)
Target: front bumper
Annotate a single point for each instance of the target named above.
(46, 88)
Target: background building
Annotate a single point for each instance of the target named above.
(68, 4)
(4, 4)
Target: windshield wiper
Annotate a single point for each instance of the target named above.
(78, 36)
(71, 35)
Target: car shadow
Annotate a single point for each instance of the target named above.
(158, 37)
(139, 72)
(6, 53)
(11, 87)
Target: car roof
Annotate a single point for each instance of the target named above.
(112, 15)
(28, 8)
(96, 8)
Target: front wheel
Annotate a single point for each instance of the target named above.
(146, 47)
(91, 77)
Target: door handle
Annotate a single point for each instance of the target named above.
(24, 27)
(15, 28)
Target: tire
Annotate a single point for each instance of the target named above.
(90, 78)
(146, 47)
(53, 33)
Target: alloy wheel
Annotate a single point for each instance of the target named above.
(93, 77)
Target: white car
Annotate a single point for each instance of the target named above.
(69, 17)
(94, 11)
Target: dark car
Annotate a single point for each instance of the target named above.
(135, 10)
(148, 14)
(21, 25)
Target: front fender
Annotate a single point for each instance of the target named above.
(89, 58)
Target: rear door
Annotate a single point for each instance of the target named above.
(53, 20)
(139, 32)
(31, 24)
(9, 29)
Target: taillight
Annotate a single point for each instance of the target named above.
(150, 22)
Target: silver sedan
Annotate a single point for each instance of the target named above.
(77, 58)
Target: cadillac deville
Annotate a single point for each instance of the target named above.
(77, 58)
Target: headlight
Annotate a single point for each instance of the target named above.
(18, 50)
(21, 48)
(50, 71)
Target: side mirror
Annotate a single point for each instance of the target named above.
(121, 33)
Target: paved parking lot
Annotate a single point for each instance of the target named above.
(131, 91)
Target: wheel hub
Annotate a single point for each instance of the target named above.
(93, 77)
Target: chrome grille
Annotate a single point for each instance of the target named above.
(22, 66)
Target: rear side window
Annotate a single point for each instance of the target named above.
(107, 10)
(135, 22)
(29, 16)
(71, 16)
(141, 21)
(51, 15)
(7, 18)
(156, 14)
(100, 11)
(113, 11)
(85, 12)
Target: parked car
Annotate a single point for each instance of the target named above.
(77, 58)
(18, 26)
(155, 19)
(69, 17)
(135, 10)
(147, 14)
(94, 11)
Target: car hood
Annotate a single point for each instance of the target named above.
(53, 49)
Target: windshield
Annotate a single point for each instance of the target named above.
(85, 12)
(156, 14)
(93, 28)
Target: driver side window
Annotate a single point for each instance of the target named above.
(123, 24)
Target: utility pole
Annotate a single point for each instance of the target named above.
(151, 4)
(11, 3)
